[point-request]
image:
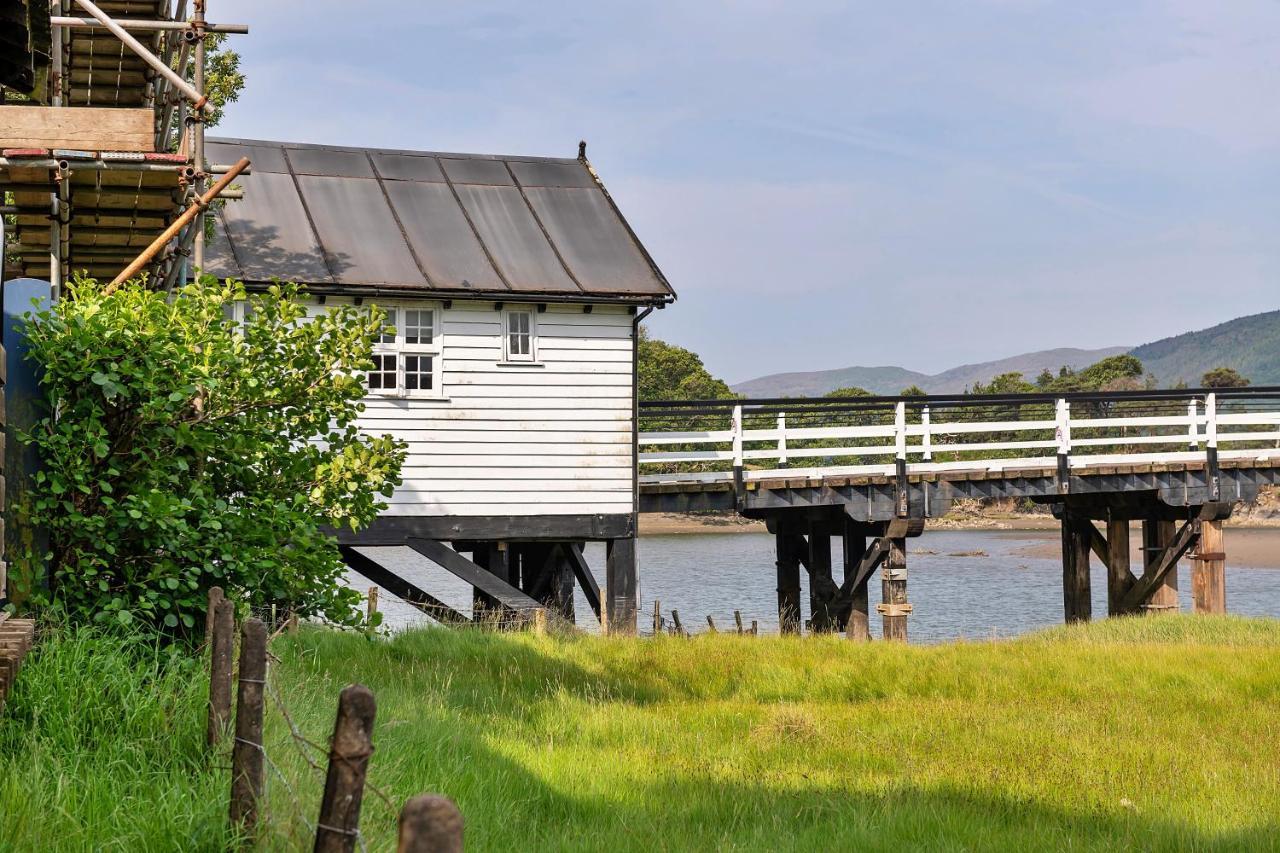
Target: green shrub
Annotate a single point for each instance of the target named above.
(182, 450)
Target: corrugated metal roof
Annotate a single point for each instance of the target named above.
(456, 224)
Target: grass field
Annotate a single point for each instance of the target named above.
(1159, 733)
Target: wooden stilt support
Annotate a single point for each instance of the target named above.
(1076, 544)
(1119, 574)
(1157, 534)
(857, 616)
(621, 608)
(563, 583)
(788, 565)
(1208, 571)
(822, 587)
(893, 581)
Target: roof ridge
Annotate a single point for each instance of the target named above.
(358, 149)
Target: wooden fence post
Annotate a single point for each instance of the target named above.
(430, 824)
(246, 755)
(215, 595)
(222, 637)
(371, 606)
(349, 752)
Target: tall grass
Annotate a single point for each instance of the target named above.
(1144, 733)
(101, 748)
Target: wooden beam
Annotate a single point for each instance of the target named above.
(1076, 593)
(482, 579)
(855, 604)
(1162, 563)
(822, 587)
(789, 548)
(395, 529)
(1157, 533)
(1208, 571)
(621, 609)
(1120, 577)
(586, 580)
(398, 586)
(80, 128)
(893, 583)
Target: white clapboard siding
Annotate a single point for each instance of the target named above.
(518, 439)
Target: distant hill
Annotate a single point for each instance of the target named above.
(891, 380)
(1249, 344)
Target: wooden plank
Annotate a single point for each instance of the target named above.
(456, 564)
(82, 128)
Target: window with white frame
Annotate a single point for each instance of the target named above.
(518, 335)
(406, 358)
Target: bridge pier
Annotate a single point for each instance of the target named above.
(1208, 570)
(788, 565)
(893, 581)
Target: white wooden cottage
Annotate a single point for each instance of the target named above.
(515, 287)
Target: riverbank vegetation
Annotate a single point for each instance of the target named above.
(1159, 733)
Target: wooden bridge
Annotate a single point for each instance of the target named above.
(873, 470)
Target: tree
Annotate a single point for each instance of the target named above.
(1223, 377)
(1006, 383)
(913, 391)
(844, 393)
(669, 372)
(183, 450)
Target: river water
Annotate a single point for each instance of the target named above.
(962, 584)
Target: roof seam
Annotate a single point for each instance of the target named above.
(484, 247)
(231, 244)
(395, 214)
(315, 232)
(545, 234)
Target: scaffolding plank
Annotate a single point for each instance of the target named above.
(87, 128)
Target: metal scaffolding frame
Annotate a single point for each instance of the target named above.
(103, 212)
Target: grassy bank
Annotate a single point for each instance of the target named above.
(1147, 733)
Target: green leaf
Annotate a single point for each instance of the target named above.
(124, 617)
(171, 621)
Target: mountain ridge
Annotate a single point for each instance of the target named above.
(1250, 344)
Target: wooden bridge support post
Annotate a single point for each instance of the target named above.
(788, 565)
(621, 609)
(857, 618)
(822, 587)
(1208, 571)
(1077, 597)
(893, 582)
(1119, 571)
(563, 583)
(1156, 536)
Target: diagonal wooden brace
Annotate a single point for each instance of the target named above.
(1187, 536)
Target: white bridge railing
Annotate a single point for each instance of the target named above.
(765, 438)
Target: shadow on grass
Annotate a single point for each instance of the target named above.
(448, 702)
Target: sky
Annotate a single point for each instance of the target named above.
(828, 184)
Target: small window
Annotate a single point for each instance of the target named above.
(407, 354)
(419, 326)
(383, 375)
(417, 372)
(519, 336)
